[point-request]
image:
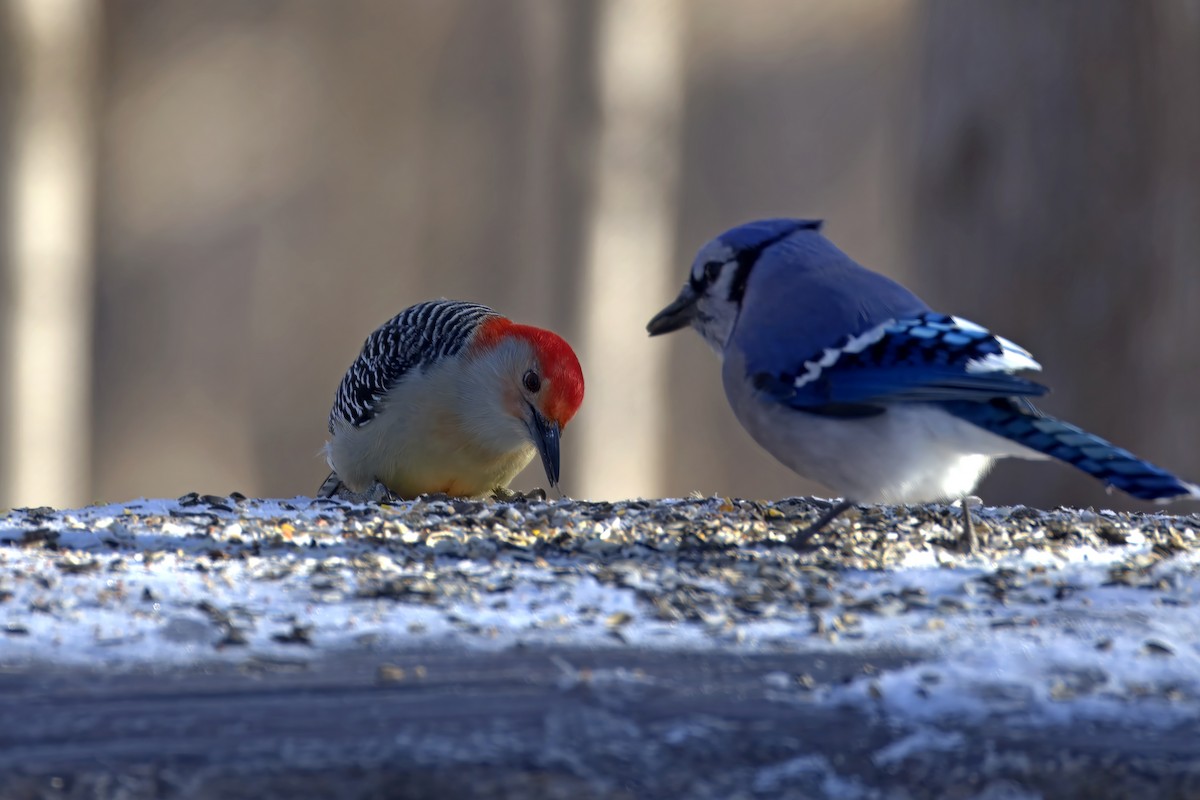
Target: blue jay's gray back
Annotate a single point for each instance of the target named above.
(852, 381)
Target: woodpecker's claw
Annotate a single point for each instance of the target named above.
(334, 489)
(510, 495)
(331, 488)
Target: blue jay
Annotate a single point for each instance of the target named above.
(852, 381)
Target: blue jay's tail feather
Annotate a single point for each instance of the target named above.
(1020, 422)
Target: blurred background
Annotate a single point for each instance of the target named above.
(207, 206)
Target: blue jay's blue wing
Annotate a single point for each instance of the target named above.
(927, 358)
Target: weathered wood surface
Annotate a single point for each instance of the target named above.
(213, 647)
(616, 724)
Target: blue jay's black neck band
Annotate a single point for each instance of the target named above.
(747, 258)
(700, 284)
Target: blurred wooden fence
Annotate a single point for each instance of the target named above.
(272, 180)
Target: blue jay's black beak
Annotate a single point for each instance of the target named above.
(675, 316)
(545, 435)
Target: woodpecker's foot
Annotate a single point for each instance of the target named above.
(377, 493)
(332, 487)
(799, 540)
(504, 495)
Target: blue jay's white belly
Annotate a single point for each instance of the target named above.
(912, 453)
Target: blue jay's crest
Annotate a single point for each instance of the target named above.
(747, 243)
(928, 358)
(759, 234)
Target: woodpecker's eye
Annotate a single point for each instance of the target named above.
(711, 270)
(532, 381)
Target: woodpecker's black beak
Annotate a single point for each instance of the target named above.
(675, 316)
(545, 435)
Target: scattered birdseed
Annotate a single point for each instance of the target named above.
(1048, 595)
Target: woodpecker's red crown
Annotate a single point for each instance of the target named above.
(561, 377)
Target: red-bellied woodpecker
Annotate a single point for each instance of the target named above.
(450, 397)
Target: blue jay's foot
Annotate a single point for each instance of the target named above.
(969, 539)
(799, 539)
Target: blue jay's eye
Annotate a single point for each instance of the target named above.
(532, 381)
(711, 270)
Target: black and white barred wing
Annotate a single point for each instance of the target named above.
(412, 340)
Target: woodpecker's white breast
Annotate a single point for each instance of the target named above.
(424, 438)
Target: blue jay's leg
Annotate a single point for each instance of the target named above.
(969, 537)
(800, 538)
